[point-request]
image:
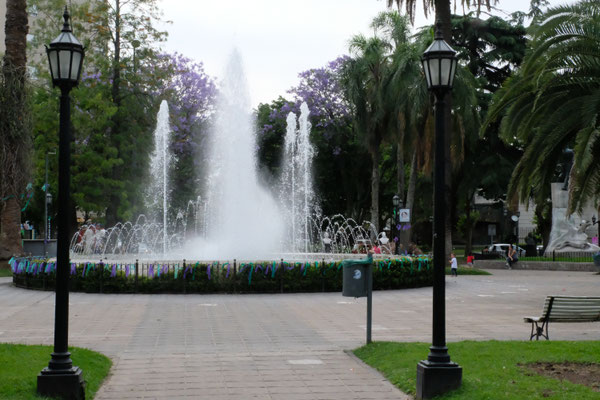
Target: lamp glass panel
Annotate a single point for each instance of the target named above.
(53, 57)
(434, 67)
(64, 58)
(446, 66)
(453, 71)
(425, 63)
(75, 65)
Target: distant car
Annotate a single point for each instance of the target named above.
(502, 248)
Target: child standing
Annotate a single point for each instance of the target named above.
(470, 259)
(453, 265)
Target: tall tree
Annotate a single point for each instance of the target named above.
(15, 135)
(367, 79)
(128, 25)
(553, 103)
(443, 14)
(491, 49)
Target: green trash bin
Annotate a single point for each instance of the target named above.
(596, 258)
(357, 277)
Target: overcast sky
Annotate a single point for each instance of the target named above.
(276, 38)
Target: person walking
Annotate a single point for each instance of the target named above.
(453, 265)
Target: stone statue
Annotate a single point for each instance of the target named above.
(567, 234)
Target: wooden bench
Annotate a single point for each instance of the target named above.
(564, 309)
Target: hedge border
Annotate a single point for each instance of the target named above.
(218, 277)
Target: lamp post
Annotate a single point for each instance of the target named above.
(438, 374)
(396, 231)
(47, 204)
(61, 378)
(515, 218)
(48, 225)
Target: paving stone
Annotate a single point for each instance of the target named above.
(176, 347)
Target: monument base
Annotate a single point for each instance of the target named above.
(437, 378)
(65, 384)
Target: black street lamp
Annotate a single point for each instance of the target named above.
(61, 378)
(395, 230)
(47, 204)
(438, 374)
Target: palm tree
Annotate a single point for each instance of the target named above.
(554, 103)
(15, 141)
(366, 78)
(444, 15)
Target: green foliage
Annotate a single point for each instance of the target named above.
(492, 369)
(22, 363)
(552, 104)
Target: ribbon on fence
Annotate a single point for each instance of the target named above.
(259, 266)
(287, 268)
(34, 268)
(419, 264)
(243, 268)
(228, 267)
(176, 271)
(194, 270)
(126, 270)
(303, 268)
(113, 273)
(273, 269)
(151, 271)
(208, 267)
(250, 274)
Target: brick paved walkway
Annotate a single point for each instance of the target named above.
(288, 346)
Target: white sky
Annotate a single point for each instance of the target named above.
(276, 38)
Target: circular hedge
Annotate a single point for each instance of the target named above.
(217, 277)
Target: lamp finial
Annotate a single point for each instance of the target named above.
(66, 16)
(438, 33)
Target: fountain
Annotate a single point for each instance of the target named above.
(159, 166)
(296, 193)
(243, 219)
(238, 217)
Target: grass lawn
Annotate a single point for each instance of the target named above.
(468, 271)
(5, 271)
(491, 370)
(21, 365)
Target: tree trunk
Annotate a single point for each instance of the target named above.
(410, 194)
(14, 130)
(10, 236)
(469, 225)
(375, 187)
(400, 168)
(112, 211)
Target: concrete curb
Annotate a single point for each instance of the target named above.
(539, 265)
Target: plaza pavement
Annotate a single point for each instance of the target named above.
(279, 346)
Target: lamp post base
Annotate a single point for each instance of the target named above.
(436, 378)
(66, 384)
